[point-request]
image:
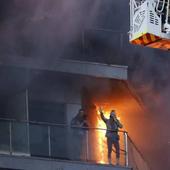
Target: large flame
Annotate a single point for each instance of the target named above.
(100, 135)
(129, 112)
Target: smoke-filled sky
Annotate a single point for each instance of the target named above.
(41, 28)
(93, 30)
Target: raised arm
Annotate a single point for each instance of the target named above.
(102, 115)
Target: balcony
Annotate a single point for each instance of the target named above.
(35, 145)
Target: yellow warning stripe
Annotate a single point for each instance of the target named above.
(145, 39)
(137, 41)
(153, 38)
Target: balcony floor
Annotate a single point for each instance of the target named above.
(32, 163)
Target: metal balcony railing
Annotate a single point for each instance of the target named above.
(56, 141)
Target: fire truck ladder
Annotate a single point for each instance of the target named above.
(163, 8)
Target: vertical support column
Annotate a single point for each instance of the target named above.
(131, 24)
(126, 149)
(83, 42)
(27, 117)
(121, 41)
(10, 137)
(167, 12)
(87, 145)
(49, 141)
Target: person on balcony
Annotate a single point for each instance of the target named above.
(113, 125)
(80, 119)
(79, 134)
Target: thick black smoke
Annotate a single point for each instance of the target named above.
(44, 28)
(93, 30)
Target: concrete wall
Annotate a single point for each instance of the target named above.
(72, 110)
(16, 106)
(60, 92)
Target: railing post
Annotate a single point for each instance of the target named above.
(27, 123)
(126, 149)
(49, 141)
(87, 145)
(10, 137)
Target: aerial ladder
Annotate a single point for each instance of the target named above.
(150, 23)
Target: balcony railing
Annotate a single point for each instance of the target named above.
(56, 141)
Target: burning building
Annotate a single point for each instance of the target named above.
(40, 94)
(36, 113)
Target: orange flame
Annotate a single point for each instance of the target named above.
(101, 140)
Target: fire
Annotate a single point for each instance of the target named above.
(101, 138)
(128, 109)
(100, 135)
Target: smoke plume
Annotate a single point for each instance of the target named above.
(51, 29)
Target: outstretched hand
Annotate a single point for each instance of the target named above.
(100, 110)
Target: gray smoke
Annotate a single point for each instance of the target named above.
(44, 28)
(51, 29)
